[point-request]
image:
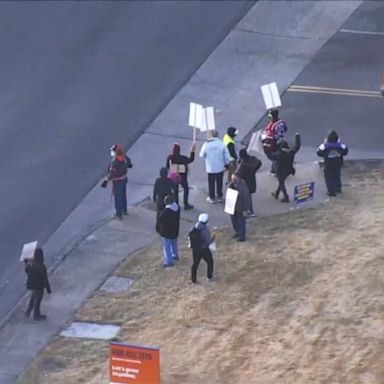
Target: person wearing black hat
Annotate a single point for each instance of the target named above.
(229, 142)
(177, 164)
(333, 152)
(37, 281)
(168, 229)
(248, 166)
(273, 135)
(284, 158)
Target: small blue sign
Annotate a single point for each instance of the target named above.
(304, 192)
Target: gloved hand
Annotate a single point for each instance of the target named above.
(104, 184)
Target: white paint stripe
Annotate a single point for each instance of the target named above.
(362, 32)
(333, 92)
(334, 89)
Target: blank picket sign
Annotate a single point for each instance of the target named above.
(28, 251)
(255, 145)
(195, 115)
(208, 121)
(271, 95)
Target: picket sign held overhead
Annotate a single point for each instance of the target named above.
(195, 117)
(271, 95)
(208, 123)
(28, 251)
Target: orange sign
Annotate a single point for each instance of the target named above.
(133, 364)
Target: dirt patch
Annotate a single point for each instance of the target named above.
(302, 301)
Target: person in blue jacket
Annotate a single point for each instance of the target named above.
(333, 152)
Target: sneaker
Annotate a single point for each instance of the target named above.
(251, 214)
(188, 207)
(39, 317)
(220, 199)
(272, 173)
(209, 200)
(210, 279)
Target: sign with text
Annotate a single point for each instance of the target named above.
(271, 95)
(230, 200)
(304, 192)
(133, 364)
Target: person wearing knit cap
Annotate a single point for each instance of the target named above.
(117, 173)
(201, 249)
(229, 142)
(179, 163)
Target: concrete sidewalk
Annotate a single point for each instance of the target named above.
(251, 55)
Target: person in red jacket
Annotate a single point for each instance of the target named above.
(117, 173)
(272, 136)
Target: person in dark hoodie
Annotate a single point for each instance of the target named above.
(333, 152)
(180, 163)
(202, 251)
(246, 170)
(117, 173)
(168, 229)
(284, 158)
(37, 281)
(243, 205)
(229, 142)
(163, 187)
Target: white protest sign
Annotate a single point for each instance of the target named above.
(230, 200)
(28, 251)
(195, 115)
(255, 143)
(208, 120)
(271, 95)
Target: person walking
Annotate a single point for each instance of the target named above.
(168, 229)
(333, 152)
(200, 246)
(284, 159)
(216, 162)
(37, 281)
(229, 142)
(179, 164)
(272, 136)
(163, 186)
(243, 205)
(117, 173)
(246, 170)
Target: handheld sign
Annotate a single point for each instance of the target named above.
(28, 251)
(208, 121)
(133, 364)
(195, 117)
(230, 201)
(254, 144)
(304, 192)
(271, 95)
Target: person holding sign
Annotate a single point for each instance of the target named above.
(284, 158)
(178, 164)
(216, 162)
(241, 206)
(37, 281)
(273, 135)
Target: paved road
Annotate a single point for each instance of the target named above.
(351, 60)
(75, 78)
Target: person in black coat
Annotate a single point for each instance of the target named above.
(248, 166)
(284, 158)
(37, 281)
(163, 187)
(181, 162)
(168, 229)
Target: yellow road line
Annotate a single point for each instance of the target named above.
(334, 91)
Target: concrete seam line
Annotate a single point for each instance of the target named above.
(281, 36)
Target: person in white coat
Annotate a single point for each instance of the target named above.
(216, 162)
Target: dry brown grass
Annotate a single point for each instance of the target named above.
(301, 302)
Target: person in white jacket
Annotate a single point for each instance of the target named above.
(216, 162)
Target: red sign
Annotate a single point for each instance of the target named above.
(133, 364)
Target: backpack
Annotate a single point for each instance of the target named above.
(194, 238)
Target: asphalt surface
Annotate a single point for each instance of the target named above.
(351, 60)
(77, 77)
